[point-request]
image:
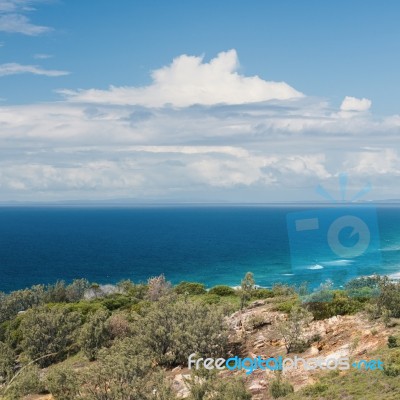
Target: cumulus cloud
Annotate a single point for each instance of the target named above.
(255, 152)
(189, 80)
(14, 20)
(15, 69)
(216, 150)
(354, 104)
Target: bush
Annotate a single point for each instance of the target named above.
(190, 288)
(286, 306)
(280, 289)
(391, 366)
(125, 371)
(316, 389)
(118, 326)
(222, 290)
(211, 299)
(256, 321)
(263, 293)
(340, 304)
(7, 362)
(206, 384)
(27, 382)
(158, 287)
(279, 388)
(316, 337)
(392, 342)
(62, 382)
(116, 301)
(94, 334)
(291, 329)
(49, 331)
(84, 307)
(172, 330)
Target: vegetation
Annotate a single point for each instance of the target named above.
(87, 341)
(291, 329)
(279, 387)
(222, 290)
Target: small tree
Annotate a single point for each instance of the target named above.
(206, 384)
(291, 329)
(246, 289)
(392, 342)
(158, 287)
(280, 388)
(47, 331)
(94, 334)
(7, 362)
(63, 383)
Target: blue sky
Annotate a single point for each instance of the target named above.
(265, 99)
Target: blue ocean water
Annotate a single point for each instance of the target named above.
(209, 244)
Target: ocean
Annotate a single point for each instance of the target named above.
(208, 244)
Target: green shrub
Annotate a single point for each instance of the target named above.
(280, 289)
(116, 301)
(340, 304)
(190, 288)
(279, 388)
(222, 290)
(392, 342)
(256, 321)
(27, 382)
(316, 389)
(84, 307)
(211, 299)
(171, 330)
(263, 293)
(316, 337)
(63, 383)
(49, 331)
(286, 306)
(94, 334)
(141, 307)
(391, 366)
(7, 362)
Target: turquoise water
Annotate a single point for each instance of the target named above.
(213, 245)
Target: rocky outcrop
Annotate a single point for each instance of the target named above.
(253, 333)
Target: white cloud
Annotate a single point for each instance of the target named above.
(15, 68)
(14, 20)
(187, 81)
(354, 104)
(376, 162)
(252, 151)
(42, 56)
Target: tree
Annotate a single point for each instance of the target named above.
(76, 290)
(172, 329)
(280, 388)
(246, 289)
(63, 383)
(94, 334)
(7, 362)
(124, 372)
(291, 329)
(206, 384)
(48, 330)
(27, 382)
(158, 287)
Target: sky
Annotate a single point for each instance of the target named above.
(198, 101)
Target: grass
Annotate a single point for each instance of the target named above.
(354, 384)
